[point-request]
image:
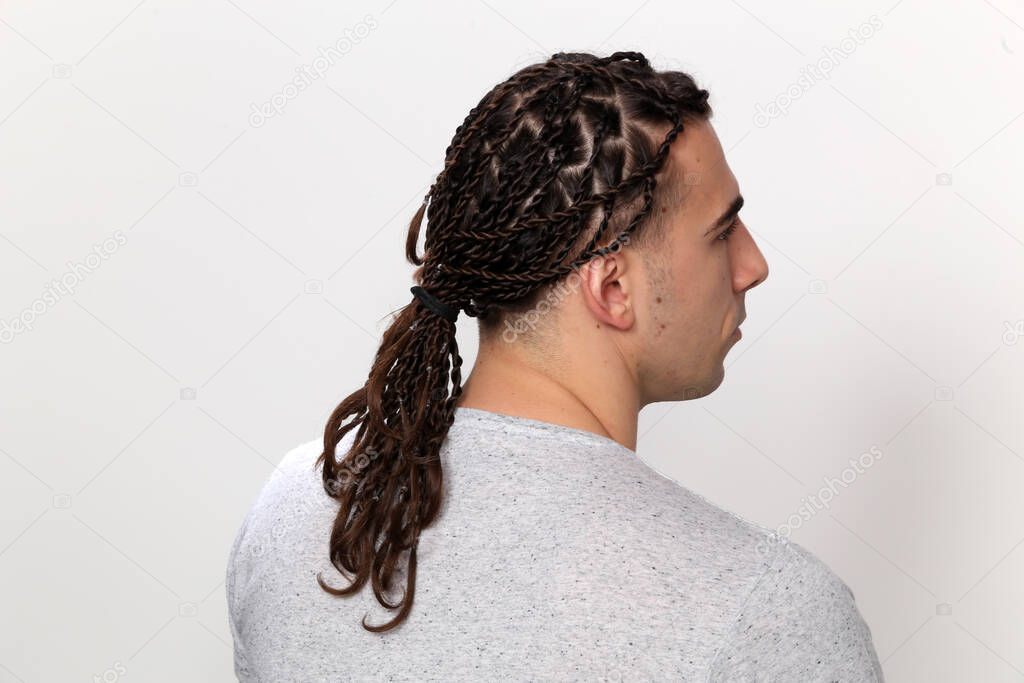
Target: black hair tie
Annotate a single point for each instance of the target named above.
(431, 302)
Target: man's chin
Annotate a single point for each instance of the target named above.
(695, 391)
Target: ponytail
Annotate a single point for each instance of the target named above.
(389, 483)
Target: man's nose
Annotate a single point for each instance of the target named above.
(753, 268)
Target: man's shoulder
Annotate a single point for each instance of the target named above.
(291, 492)
(682, 512)
(302, 457)
(800, 621)
(291, 501)
(777, 569)
(296, 468)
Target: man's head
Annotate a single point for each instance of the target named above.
(580, 158)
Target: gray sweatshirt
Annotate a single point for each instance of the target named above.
(558, 555)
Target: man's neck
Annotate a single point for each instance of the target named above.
(512, 386)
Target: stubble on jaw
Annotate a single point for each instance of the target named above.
(660, 294)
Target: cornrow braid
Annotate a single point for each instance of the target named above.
(556, 165)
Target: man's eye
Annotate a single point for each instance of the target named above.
(724, 235)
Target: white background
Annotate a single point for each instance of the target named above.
(141, 413)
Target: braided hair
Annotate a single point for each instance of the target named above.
(541, 172)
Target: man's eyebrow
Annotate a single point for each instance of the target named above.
(730, 213)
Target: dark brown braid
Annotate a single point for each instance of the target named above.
(547, 166)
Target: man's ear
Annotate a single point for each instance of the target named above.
(607, 290)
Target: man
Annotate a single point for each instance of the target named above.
(539, 545)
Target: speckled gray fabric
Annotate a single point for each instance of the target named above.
(558, 555)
